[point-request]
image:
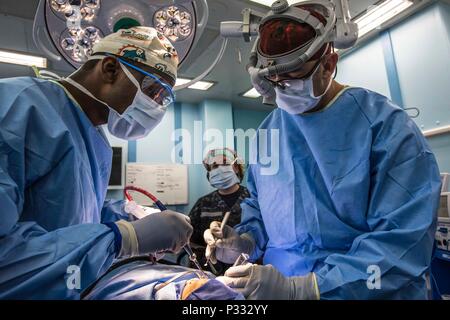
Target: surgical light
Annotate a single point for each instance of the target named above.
(60, 5)
(92, 4)
(174, 22)
(199, 85)
(68, 43)
(268, 3)
(252, 93)
(79, 40)
(92, 33)
(22, 59)
(66, 30)
(380, 14)
(87, 13)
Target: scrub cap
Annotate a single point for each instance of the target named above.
(224, 156)
(220, 156)
(142, 44)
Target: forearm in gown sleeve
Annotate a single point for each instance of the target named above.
(251, 221)
(34, 263)
(114, 210)
(404, 198)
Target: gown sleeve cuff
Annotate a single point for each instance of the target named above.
(117, 236)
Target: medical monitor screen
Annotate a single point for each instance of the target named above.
(116, 170)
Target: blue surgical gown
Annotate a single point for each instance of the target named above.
(54, 172)
(352, 196)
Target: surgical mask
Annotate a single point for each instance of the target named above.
(298, 96)
(223, 177)
(139, 118)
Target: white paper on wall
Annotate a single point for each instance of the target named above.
(167, 182)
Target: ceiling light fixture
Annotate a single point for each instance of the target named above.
(252, 93)
(200, 85)
(22, 59)
(376, 16)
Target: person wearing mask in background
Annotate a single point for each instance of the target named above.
(225, 172)
(55, 164)
(351, 212)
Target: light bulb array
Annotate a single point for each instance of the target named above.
(174, 22)
(78, 40)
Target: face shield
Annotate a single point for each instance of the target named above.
(283, 37)
(289, 37)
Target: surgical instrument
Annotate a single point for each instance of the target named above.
(222, 225)
(241, 260)
(162, 207)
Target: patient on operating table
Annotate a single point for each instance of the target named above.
(145, 280)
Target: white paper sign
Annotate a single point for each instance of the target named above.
(167, 182)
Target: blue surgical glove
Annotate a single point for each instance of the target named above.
(158, 232)
(226, 245)
(257, 282)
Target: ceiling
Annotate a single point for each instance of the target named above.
(229, 75)
(19, 8)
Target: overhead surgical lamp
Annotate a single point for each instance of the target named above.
(66, 30)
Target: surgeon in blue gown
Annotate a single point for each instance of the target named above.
(57, 232)
(349, 212)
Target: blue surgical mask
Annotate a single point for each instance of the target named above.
(141, 117)
(223, 177)
(298, 96)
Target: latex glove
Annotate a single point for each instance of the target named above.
(158, 232)
(226, 245)
(257, 282)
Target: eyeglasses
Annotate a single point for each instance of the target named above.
(284, 77)
(153, 87)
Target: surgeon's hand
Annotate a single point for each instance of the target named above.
(257, 282)
(226, 245)
(158, 232)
